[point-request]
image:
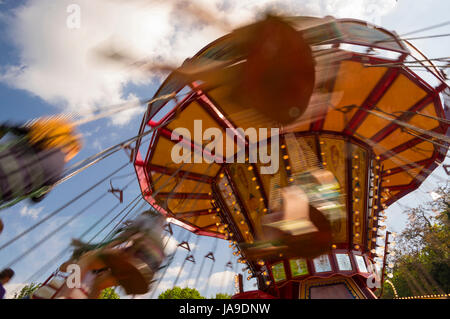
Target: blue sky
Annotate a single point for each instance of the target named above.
(45, 69)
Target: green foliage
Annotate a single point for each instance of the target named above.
(26, 291)
(222, 296)
(181, 293)
(109, 293)
(422, 254)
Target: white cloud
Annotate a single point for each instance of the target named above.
(58, 64)
(32, 212)
(173, 271)
(96, 144)
(171, 245)
(219, 278)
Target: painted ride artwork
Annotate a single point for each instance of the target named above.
(286, 139)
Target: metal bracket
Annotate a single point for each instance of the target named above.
(130, 151)
(447, 169)
(184, 245)
(190, 258)
(116, 191)
(210, 255)
(168, 229)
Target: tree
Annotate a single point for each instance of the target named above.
(109, 293)
(222, 296)
(422, 256)
(26, 291)
(181, 293)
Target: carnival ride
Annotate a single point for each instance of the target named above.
(362, 127)
(358, 129)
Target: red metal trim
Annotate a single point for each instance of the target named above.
(192, 228)
(179, 107)
(430, 166)
(200, 196)
(405, 167)
(254, 294)
(387, 130)
(373, 44)
(219, 115)
(403, 147)
(153, 145)
(410, 74)
(367, 59)
(141, 130)
(375, 95)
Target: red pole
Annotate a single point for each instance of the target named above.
(241, 283)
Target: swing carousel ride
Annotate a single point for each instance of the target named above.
(335, 105)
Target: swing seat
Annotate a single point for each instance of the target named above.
(279, 71)
(274, 75)
(131, 273)
(291, 231)
(277, 241)
(48, 290)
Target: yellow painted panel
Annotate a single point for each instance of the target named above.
(162, 157)
(238, 115)
(402, 94)
(335, 156)
(354, 83)
(335, 121)
(193, 112)
(187, 205)
(202, 221)
(401, 178)
(419, 152)
(371, 125)
(166, 183)
(186, 119)
(424, 122)
(396, 138)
